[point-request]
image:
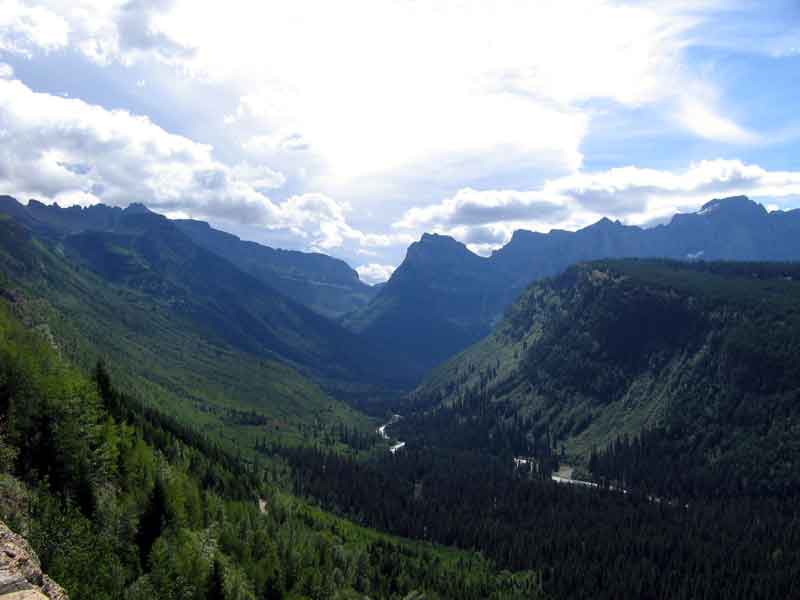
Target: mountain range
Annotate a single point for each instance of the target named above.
(313, 311)
(325, 284)
(141, 250)
(456, 296)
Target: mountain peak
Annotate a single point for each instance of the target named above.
(604, 224)
(738, 205)
(137, 208)
(522, 234)
(437, 238)
(437, 246)
(438, 251)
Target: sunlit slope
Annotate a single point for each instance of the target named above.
(161, 352)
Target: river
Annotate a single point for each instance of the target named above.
(382, 432)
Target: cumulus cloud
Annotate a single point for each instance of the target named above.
(634, 192)
(103, 30)
(473, 207)
(375, 273)
(323, 220)
(54, 145)
(261, 177)
(504, 96)
(485, 219)
(25, 29)
(138, 32)
(61, 149)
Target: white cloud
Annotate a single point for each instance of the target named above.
(452, 93)
(635, 193)
(473, 207)
(697, 109)
(25, 29)
(374, 272)
(6, 71)
(54, 146)
(103, 30)
(416, 94)
(707, 124)
(66, 150)
(260, 177)
(485, 219)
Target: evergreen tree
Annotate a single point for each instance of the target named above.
(153, 520)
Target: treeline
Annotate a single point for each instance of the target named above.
(120, 501)
(587, 543)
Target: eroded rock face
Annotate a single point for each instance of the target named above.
(21, 576)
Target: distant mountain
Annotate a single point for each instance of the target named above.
(700, 361)
(145, 253)
(440, 299)
(326, 285)
(455, 297)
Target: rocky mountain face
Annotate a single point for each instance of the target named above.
(21, 576)
(458, 296)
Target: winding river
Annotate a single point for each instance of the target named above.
(382, 432)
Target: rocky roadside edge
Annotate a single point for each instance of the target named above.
(21, 576)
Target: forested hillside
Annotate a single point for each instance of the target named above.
(588, 543)
(698, 362)
(153, 344)
(121, 502)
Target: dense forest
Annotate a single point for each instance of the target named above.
(122, 502)
(586, 542)
(707, 350)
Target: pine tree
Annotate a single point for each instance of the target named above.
(216, 583)
(153, 521)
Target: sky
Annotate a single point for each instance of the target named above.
(352, 127)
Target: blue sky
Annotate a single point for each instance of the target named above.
(352, 127)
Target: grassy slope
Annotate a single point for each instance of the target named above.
(154, 350)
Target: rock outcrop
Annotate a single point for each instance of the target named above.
(21, 576)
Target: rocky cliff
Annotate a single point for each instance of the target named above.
(21, 576)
